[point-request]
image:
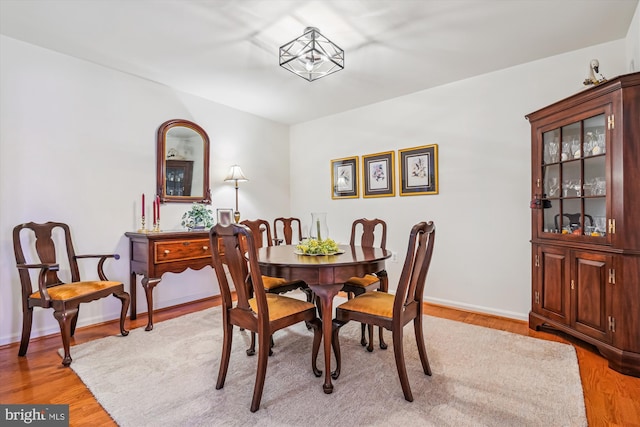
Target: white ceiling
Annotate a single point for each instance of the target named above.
(227, 50)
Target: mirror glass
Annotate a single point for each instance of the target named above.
(183, 162)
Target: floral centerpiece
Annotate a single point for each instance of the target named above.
(318, 247)
(199, 216)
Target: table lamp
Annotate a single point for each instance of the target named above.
(235, 174)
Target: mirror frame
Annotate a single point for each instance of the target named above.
(161, 164)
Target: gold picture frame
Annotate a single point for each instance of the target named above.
(344, 178)
(378, 175)
(418, 170)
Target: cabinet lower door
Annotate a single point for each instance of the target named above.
(552, 284)
(591, 294)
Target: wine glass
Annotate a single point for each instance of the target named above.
(553, 151)
(554, 186)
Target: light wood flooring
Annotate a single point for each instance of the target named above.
(611, 399)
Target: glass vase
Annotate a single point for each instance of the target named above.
(319, 229)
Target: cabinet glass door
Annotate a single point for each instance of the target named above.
(574, 183)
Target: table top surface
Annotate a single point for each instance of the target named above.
(285, 255)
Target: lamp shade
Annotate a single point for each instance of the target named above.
(235, 174)
(312, 55)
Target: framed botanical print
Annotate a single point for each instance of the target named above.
(344, 178)
(378, 175)
(419, 170)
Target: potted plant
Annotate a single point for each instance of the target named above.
(198, 217)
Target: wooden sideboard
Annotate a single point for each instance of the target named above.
(153, 254)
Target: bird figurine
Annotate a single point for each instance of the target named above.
(594, 67)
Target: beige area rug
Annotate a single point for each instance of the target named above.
(481, 377)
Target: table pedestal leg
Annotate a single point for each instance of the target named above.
(148, 285)
(326, 294)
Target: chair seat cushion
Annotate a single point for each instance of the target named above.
(282, 306)
(362, 282)
(271, 283)
(376, 303)
(76, 289)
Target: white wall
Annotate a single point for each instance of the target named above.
(633, 43)
(77, 145)
(482, 254)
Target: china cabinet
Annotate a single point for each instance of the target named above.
(585, 222)
(178, 177)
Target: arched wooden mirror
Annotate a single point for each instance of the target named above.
(183, 162)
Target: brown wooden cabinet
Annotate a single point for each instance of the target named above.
(585, 222)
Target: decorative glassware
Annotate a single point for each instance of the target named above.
(318, 228)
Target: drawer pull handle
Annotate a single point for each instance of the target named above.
(204, 248)
(166, 251)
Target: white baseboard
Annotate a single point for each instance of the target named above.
(54, 329)
(478, 309)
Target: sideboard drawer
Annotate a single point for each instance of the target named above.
(176, 250)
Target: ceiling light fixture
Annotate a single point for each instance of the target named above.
(312, 55)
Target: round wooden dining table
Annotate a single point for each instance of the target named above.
(325, 275)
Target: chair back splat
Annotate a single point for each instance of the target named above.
(368, 232)
(288, 226)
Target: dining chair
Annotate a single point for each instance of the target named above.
(287, 227)
(255, 310)
(41, 244)
(367, 230)
(273, 285)
(393, 312)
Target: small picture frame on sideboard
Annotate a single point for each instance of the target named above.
(224, 216)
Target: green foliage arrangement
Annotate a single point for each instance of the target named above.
(198, 215)
(318, 247)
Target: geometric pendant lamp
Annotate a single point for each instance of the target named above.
(312, 55)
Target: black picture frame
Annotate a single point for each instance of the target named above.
(418, 170)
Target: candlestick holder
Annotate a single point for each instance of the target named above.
(156, 226)
(143, 229)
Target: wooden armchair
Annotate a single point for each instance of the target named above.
(286, 225)
(393, 312)
(367, 230)
(258, 311)
(52, 292)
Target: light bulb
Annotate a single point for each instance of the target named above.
(309, 65)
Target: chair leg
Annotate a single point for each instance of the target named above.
(363, 338)
(125, 299)
(417, 327)
(263, 357)
(316, 324)
(335, 343)
(226, 354)
(398, 352)
(383, 345)
(74, 322)
(252, 347)
(370, 346)
(27, 321)
(65, 319)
